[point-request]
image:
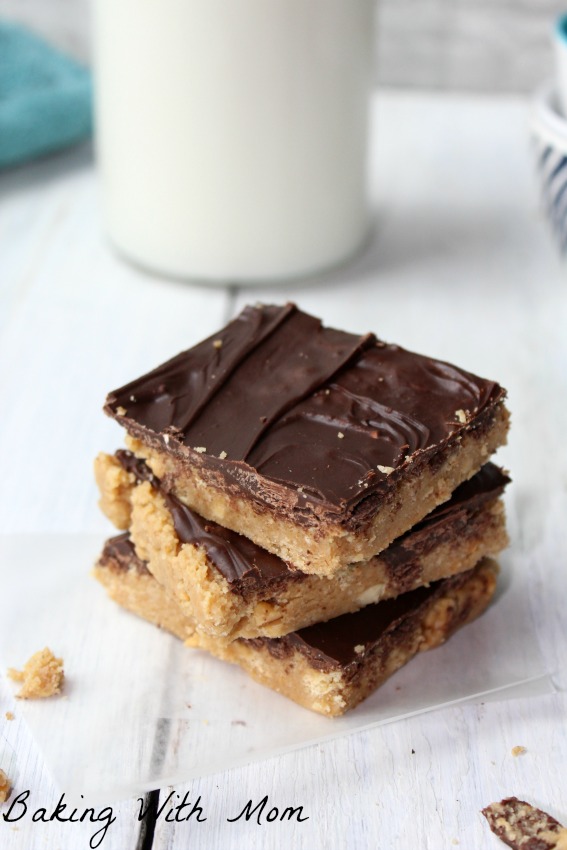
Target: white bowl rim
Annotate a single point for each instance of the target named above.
(546, 121)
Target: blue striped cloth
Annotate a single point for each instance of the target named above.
(45, 97)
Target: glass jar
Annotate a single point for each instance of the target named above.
(232, 134)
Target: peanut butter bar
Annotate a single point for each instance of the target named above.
(520, 825)
(233, 588)
(320, 446)
(329, 667)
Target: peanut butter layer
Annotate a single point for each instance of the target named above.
(233, 588)
(320, 446)
(333, 666)
(130, 584)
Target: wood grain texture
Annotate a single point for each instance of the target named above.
(461, 267)
(474, 45)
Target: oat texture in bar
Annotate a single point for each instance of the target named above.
(331, 667)
(233, 588)
(320, 446)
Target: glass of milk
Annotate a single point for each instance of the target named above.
(232, 134)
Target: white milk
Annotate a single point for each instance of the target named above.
(232, 134)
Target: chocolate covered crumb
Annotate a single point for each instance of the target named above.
(523, 827)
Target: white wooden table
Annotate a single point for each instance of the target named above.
(461, 268)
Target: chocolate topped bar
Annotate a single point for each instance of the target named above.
(340, 642)
(307, 407)
(233, 588)
(278, 415)
(330, 667)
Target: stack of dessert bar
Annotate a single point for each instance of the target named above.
(314, 506)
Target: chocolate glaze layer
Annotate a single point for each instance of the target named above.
(246, 566)
(333, 417)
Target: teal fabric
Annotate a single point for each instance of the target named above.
(45, 97)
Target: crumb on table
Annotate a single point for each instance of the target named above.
(5, 787)
(41, 677)
(518, 751)
(9, 715)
